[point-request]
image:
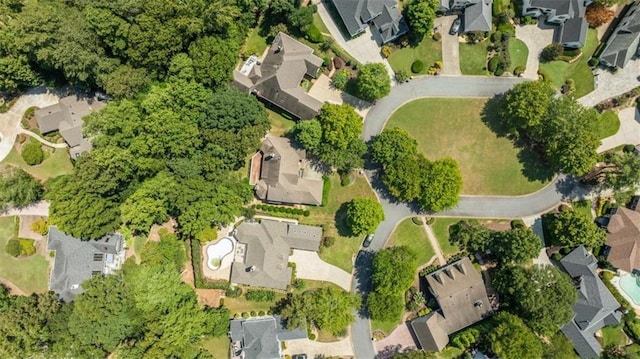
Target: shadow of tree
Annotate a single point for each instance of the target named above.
(341, 221)
(362, 277)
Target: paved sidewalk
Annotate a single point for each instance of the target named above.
(450, 46)
(434, 242)
(536, 39)
(629, 132)
(310, 266)
(42, 140)
(610, 84)
(315, 349)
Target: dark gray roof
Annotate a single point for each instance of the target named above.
(267, 246)
(573, 31)
(260, 337)
(430, 331)
(390, 23)
(386, 17)
(277, 78)
(76, 261)
(561, 7)
(350, 11)
(623, 42)
(477, 16)
(66, 117)
(286, 176)
(596, 306)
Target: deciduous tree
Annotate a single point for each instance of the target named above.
(373, 82)
(516, 245)
(421, 15)
(392, 145)
(572, 229)
(308, 134)
(512, 339)
(364, 215)
(18, 188)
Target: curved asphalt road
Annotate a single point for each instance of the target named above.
(469, 206)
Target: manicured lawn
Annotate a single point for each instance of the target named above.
(518, 52)
(428, 51)
(608, 124)
(333, 216)
(279, 123)
(386, 327)
(455, 128)
(583, 207)
(255, 42)
(218, 347)
(473, 58)
(613, 335)
(316, 284)
(413, 236)
(29, 274)
(579, 71)
(317, 20)
(58, 163)
(441, 230)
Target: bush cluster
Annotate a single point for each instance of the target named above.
(417, 67)
(13, 247)
(260, 295)
(286, 210)
(328, 241)
(234, 292)
(32, 153)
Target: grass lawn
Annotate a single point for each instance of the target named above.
(332, 214)
(473, 58)
(455, 128)
(386, 327)
(413, 236)
(613, 335)
(316, 284)
(58, 163)
(441, 230)
(317, 20)
(29, 274)
(218, 347)
(429, 51)
(518, 52)
(279, 123)
(583, 207)
(579, 71)
(608, 124)
(255, 42)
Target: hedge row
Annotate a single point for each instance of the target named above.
(287, 210)
(260, 295)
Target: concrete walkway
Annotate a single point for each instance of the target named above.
(42, 140)
(310, 266)
(10, 121)
(536, 39)
(40, 208)
(629, 132)
(398, 341)
(434, 242)
(450, 46)
(315, 349)
(609, 84)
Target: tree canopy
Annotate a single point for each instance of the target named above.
(421, 15)
(392, 145)
(18, 188)
(373, 82)
(515, 246)
(393, 272)
(512, 339)
(364, 215)
(571, 229)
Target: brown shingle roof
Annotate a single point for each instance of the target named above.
(623, 238)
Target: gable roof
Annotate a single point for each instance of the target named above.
(76, 261)
(384, 15)
(623, 42)
(285, 174)
(260, 337)
(477, 16)
(430, 331)
(573, 25)
(277, 78)
(266, 248)
(595, 307)
(622, 238)
(66, 117)
(461, 294)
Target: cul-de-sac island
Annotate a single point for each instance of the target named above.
(293, 179)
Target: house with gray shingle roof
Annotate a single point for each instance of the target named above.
(476, 13)
(262, 253)
(282, 174)
(76, 261)
(596, 306)
(384, 15)
(66, 117)
(568, 15)
(460, 292)
(623, 43)
(277, 78)
(260, 338)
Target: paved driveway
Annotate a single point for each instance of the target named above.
(315, 349)
(399, 340)
(536, 39)
(610, 84)
(310, 266)
(40, 208)
(450, 46)
(323, 91)
(629, 132)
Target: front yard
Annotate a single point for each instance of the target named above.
(28, 274)
(57, 163)
(473, 58)
(456, 128)
(428, 51)
(412, 235)
(441, 229)
(518, 52)
(579, 71)
(332, 215)
(608, 124)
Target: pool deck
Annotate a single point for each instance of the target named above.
(224, 272)
(616, 283)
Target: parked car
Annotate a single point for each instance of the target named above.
(455, 27)
(299, 356)
(367, 240)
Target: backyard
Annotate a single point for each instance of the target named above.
(279, 123)
(428, 51)
(218, 347)
(579, 71)
(456, 128)
(29, 274)
(332, 215)
(55, 164)
(412, 235)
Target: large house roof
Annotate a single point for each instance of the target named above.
(266, 251)
(384, 15)
(76, 261)
(285, 174)
(570, 14)
(430, 332)
(623, 42)
(277, 78)
(66, 117)
(595, 307)
(477, 16)
(260, 337)
(622, 238)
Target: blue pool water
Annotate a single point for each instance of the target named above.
(629, 284)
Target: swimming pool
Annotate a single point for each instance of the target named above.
(630, 285)
(216, 252)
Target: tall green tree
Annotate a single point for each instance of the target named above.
(421, 15)
(441, 186)
(512, 339)
(331, 309)
(470, 235)
(625, 174)
(149, 204)
(515, 246)
(18, 188)
(525, 106)
(392, 145)
(342, 146)
(572, 229)
(308, 134)
(364, 215)
(373, 82)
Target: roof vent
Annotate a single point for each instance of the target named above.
(279, 49)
